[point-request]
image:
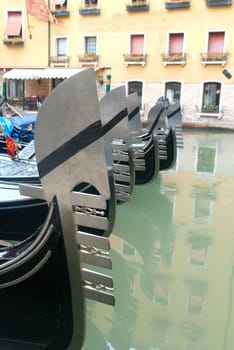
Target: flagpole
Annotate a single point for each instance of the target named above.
(49, 27)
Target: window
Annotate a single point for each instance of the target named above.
(14, 25)
(216, 42)
(90, 44)
(15, 88)
(176, 43)
(196, 297)
(198, 251)
(56, 82)
(175, 50)
(215, 49)
(90, 2)
(128, 249)
(137, 44)
(61, 46)
(211, 97)
(58, 4)
(161, 292)
(136, 86)
(206, 159)
(173, 92)
(202, 210)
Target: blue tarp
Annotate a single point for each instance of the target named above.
(17, 127)
(25, 121)
(7, 125)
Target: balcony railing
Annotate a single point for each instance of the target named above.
(214, 58)
(138, 5)
(88, 59)
(16, 41)
(59, 60)
(60, 11)
(174, 58)
(218, 3)
(174, 4)
(89, 9)
(137, 59)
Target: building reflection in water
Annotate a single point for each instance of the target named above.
(173, 256)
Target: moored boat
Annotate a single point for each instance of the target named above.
(45, 277)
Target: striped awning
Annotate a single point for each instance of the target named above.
(47, 73)
(59, 2)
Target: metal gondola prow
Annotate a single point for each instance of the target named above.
(74, 181)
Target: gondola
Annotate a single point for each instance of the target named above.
(164, 135)
(119, 153)
(44, 278)
(144, 145)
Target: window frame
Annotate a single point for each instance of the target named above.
(56, 38)
(130, 41)
(85, 37)
(219, 113)
(84, 3)
(168, 40)
(216, 31)
(166, 82)
(9, 10)
(141, 104)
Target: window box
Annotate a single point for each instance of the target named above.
(63, 12)
(89, 9)
(13, 42)
(174, 4)
(138, 5)
(211, 3)
(59, 60)
(175, 58)
(88, 58)
(214, 58)
(215, 111)
(137, 59)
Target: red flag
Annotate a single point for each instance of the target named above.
(10, 145)
(40, 9)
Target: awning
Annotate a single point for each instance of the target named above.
(14, 24)
(59, 2)
(47, 73)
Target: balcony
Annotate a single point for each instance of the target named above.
(134, 59)
(214, 58)
(174, 58)
(60, 11)
(89, 9)
(138, 5)
(211, 3)
(176, 4)
(59, 60)
(16, 41)
(88, 59)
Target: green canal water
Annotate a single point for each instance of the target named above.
(172, 249)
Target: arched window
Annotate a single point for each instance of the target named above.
(173, 91)
(136, 86)
(211, 97)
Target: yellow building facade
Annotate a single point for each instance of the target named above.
(179, 49)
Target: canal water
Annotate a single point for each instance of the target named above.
(173, 257)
